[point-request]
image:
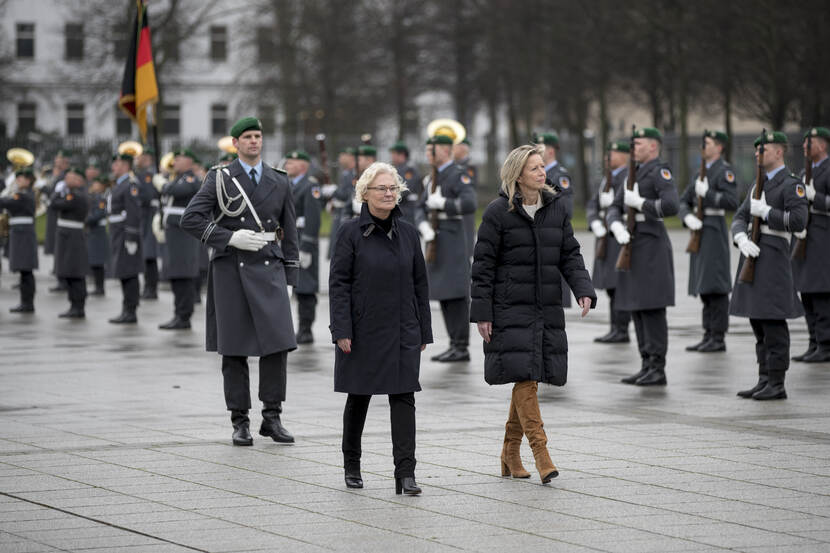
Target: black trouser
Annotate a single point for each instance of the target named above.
(129, 288)
(183, 297)
(715, 315)
(817, 313)
(199, 282)
(76, 289)
(98, 276)
(238, 383)
(402, 414)
(27, 289)
(619, 319)
(772, 343)
(151, 274)
(652, 336)
(306, 308)
(457, 320)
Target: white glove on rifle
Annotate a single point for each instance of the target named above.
(598, 228)
(692, 222)
(702, 186)
(606, 199)
(747, 246)
(290, 290)
(305, 260)
(357, 206)
(759, 208)
(801, 235)
(620, 233)
(426, 231)
(159, 181)
(328, 190)
(158, 230)
(811, 190)
(436, 200)
(248, 240)
(131, 247)
(632, 198)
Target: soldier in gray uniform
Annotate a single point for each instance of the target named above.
(461, 156)
(770, 299)
(98, 240)
(22, 244)
(71, 263)
(341, 200)
(59, 168)
(604, 274)
(306, 193)
(449, 272)
(812, 274)
(144, 172)
(709, 274)
(399, 154)
(244, 213)
(182, 250)
(648, 288)
(124, 209)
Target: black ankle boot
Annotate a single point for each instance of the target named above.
(241, 428)
(272, 425)
(760, 385)
(406, 485)
(774, 388)
(353, 477)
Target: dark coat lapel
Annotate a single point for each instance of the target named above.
(267, 185)
(242, 177)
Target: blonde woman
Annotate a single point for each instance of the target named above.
(525, 242)
(380, 320)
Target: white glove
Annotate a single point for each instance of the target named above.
(305, 260)
(692, 222)
(248, 240)
(158, 230)
(702, 186)
(747, 246)
(606, 199)
(328, 190)
(811, 190)
(436, 200)
(632, 198)
(598, 228)
(289, 289)
(159, 181)
(620, 232)
(801, 235)
(131, 247)
(759, 208)
(357, 206)
(426, 231)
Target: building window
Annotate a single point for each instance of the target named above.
(74, 35)
(218, 43)
(170, 119)
(74, 119)
(119, 42)
(26, 121)
(123, 123)
(268, 117)
(266, 49)
(219, 119)
(25, 40)
(3, 129)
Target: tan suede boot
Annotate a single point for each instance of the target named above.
(527, 406)
(511, 459)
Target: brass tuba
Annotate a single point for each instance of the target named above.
(226, 145)
(166, 162)
(131, 148)
(20, 158)
(447, 127)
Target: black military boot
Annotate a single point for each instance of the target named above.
(127, 316)
(820, 355)
(304, 335)
(455, 355)
(713, 344)
(763, 377)
(654, 377)
(604, 338)
(272, 426)
(811, 349)
(73, 313)
(636, 376)
(149, 293)
(241, 428)
(774, 388)
(176, 323)
(22, 309)
(619, 336)
(695, 347)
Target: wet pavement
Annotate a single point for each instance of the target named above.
(115, 438)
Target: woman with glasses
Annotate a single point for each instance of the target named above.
(380, 320)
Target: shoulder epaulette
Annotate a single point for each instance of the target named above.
(217, 167)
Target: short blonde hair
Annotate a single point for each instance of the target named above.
(371, 173)
(513, 166)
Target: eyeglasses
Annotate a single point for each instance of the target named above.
(384, 189)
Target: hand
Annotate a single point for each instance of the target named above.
(436, 201)
(811, 191)
(248, 240)
(357, 206)
(158, 229)
(585, 303)
(345, 345)
(159, 181)
(747, 246)
(328, 190)
(702, 186)
(620, 233)
(486, 330)
(606, 199)
(759, 208)
(632, 198)
(598, 228)
(289, 289)
(131, 247)
(423, 347)
(801, 235)
(692, 222)
(305, 260)
(426, 231)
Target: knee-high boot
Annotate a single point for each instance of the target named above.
(511, 459)
(527, 406)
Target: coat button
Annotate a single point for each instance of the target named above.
(242, 219)
(266, 262)
(241, 264)
(269, 220)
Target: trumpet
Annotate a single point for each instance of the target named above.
(131, 148)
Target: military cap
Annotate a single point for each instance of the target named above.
(820, 132)
(771, 137)
(466, 141)
(348, 150)
(77, 171)
(648, 132)
(298, 154)
(186, 152)
(245, 124)
(720, 136)
(620, 146)
(399, 146)
(546, 138)
(63, 153)
(440, 139)
(149, 151)
(94, 163)
(228, 157)
(123, 157)
(25, 172)
(367, 150)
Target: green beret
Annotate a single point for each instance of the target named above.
(77, 171)
(546, 138)
(771, 137)
(94, 164)
(245, 124)
(466, 141)
(367, 150)
(228, 157)
(717, 135)
(186, 152)
(399, 146)
(620, 146)
(149, 151)
(25, 172)
(298, 154)
(820, 132)
(63, 153)
(123, 157)
(102, 178)
(440, 139)
(348, 150)
(648, 132)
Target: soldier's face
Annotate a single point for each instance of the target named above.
(618, 159)
(61, 163)
(119, 167)
(364, 161)
(644, 149)
(74, 180)
(249, 144)
(460, 151)
(91, 173)
(22, 181)
(182, 164)
(397, 157)
(773, 155)
(711, 148)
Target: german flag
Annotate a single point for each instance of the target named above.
(139, 88)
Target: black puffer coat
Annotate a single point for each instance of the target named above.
(516, 285)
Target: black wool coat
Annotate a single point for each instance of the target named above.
(517, 275)
(379, 298)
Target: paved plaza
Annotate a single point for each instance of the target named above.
(115, 438)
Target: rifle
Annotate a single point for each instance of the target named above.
(747, 274)
(602, 244)
(694, 240)
(624, 259)
(430, 253)
(324, 158)
(800, 249)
